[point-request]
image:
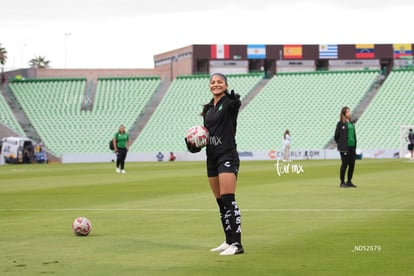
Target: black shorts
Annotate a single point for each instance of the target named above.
(228, 162)
(410, 146)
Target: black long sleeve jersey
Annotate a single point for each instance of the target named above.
(221, 122)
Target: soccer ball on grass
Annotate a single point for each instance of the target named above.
(81, 226)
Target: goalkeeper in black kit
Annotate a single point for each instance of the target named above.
(220, 118)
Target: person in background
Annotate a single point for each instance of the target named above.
(172, 156)
(160, 157)
(345, 138)
(410, 139)
(286, 146)
(121, 147)
(27, 154)
(220, 118)
(37, 148)
(1, 153)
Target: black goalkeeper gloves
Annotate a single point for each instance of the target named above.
(235, 99)
(234, 96)
(191, 148)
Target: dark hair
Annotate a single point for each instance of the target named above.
(343, 113)
(220, 75)
(120, 127)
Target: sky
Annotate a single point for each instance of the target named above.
(128, 33)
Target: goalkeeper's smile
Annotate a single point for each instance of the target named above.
(218, 86)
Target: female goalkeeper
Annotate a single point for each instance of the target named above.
(220, 118)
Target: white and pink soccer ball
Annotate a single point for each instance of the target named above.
(81, 226)
(198, 136)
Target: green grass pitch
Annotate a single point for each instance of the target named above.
(161, 219)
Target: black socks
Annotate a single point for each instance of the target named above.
(231, 219)
(225, 222)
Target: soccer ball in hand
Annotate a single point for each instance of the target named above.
(81, 226)
(198, 136)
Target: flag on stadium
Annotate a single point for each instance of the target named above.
(256, 51)
(364, 51)
(402, 50)
(292, 51)
(220, 51)
(328, 51)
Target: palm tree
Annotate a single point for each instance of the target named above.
(3, 55)
(39, 62)
(3, 58)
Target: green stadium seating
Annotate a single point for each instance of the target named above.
(54, 109)
(308, 104)
(393, 106)
(180, 109)
(7, 117)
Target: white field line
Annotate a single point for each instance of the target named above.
(198, 210)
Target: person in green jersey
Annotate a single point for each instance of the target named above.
(345, 138)
(121, 146)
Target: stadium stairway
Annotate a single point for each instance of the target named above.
(89, 96)
(6, 131)
(288, 98)
(256, 90)
(21, 117)
(391, 108)
(7, 118)
(27, 128)
(149, 109)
